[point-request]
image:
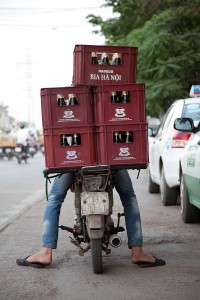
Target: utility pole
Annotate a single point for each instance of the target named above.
(29, 90)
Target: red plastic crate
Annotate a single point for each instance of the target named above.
(133, 155)
(67, 157)
(84, 72)
(133, 111)
(55, 116)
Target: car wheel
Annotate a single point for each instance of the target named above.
(190, 213)
(153, 188)
(168, 195)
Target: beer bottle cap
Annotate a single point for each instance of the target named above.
(124, 93)
(104, 55)
(94, 54)
(113, 93)
(72, 95)
(116, 55)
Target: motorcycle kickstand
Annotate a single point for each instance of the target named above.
(77, 244)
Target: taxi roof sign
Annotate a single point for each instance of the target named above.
(195, 91)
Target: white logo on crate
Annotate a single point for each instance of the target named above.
(124, 151)
(71, 154)
(68, 114)
(114, 77)
(120, 112)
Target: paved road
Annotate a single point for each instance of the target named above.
(20, 186)
(70, 277)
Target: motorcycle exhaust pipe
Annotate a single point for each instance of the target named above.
(115, 241)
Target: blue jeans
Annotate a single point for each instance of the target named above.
(124, 187)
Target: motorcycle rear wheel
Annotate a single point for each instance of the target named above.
(97, 261)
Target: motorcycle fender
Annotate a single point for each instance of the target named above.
(95, 226)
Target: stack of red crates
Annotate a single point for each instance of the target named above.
(101, 118)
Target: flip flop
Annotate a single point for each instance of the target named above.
(23, 262)
(144, 264)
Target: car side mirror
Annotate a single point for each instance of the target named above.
(184, 124)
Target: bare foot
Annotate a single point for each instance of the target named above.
(138, 255)
(44, 256)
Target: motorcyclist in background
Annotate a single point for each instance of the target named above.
(22, 136)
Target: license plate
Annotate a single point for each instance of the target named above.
(96, 203)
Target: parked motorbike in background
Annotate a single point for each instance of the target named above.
(21, 153)
(94, 225)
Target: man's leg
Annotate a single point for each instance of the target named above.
(51, 219)
(124, 187)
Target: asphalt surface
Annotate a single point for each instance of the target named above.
(70, 276)
(21, 186)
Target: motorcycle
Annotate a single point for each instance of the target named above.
(94, 226)
(21, 153)
(32, 151)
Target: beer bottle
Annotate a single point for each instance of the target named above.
(116, 59)
(125, 97)
(64, 140)
(60, 100)
(105, 59)
(69, 140)
(72, 99)
(113, 97)
(76, 139)
(94, 58)
(116, 137)
(129, 138)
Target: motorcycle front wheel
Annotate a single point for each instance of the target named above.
(97, 261)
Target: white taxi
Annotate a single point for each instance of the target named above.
(190, 172)
(166, 149)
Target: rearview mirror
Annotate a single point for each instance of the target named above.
(184, 124)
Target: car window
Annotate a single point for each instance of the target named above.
(169, 117)
(174, 113)
(162, 124)
(192, 111)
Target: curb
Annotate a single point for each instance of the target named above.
(23, 206)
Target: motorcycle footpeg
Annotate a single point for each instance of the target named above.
(67, 228)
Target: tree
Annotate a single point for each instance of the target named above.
(168, 40)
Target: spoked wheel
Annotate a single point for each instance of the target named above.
(97, 261)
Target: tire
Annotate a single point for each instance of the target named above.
(97, 261)
(19, 159)
(190, 213)
(168, 196)
(153, 188)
